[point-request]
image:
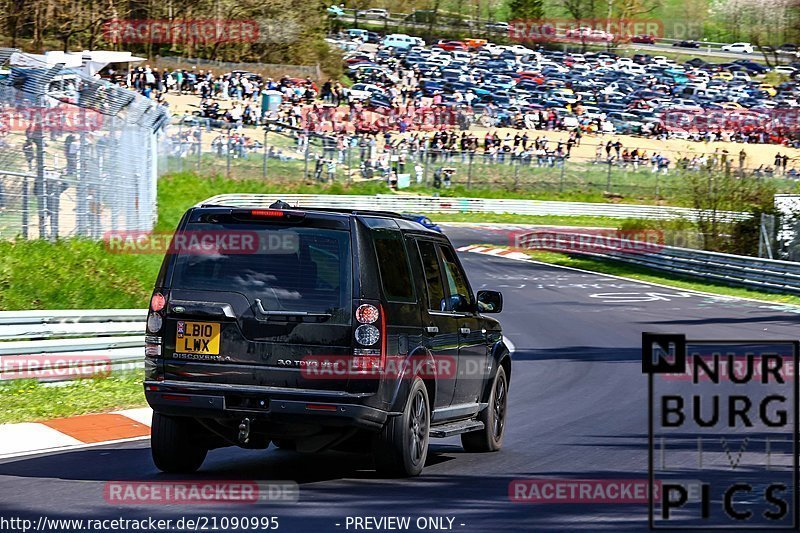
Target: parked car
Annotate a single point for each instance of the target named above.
(399, 40)
(344, 329)
(363, 91)
(357, 33)
(452, 45)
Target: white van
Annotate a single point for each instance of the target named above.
(399, 40)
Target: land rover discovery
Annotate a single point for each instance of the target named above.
(315, 329)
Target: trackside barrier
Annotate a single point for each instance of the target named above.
(765, 274)
(434, 204)
(115, 334)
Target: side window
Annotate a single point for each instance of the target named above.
(393, 265)
(460, 295)
(433, 275)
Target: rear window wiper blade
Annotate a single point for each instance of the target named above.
(309, 314)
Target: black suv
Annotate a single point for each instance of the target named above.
(319, 329)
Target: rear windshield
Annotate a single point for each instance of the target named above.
(286, 268)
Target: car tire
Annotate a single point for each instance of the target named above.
(490, 438)
(173, 444)
(401, 448)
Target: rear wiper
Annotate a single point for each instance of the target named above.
(289, 313)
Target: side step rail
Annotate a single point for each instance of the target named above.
(455, 428)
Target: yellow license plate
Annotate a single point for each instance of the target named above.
(197, 337)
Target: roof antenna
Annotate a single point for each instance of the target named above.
(280, 204)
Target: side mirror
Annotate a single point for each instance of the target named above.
(490, 301)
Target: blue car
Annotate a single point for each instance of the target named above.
(422, 219)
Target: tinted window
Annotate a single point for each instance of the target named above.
(393, 265)
(456, 280)
(433, 275)
(290, 269)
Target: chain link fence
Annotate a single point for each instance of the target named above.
(280, 152)
(78, 155)
(267, 69)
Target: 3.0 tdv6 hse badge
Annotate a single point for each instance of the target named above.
(351, 330)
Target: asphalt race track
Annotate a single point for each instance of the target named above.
(578, 409)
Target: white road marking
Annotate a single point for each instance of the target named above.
(721, 297)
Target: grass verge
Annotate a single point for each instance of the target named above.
(643, 274)
(28, 400)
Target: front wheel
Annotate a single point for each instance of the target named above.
(490, 438)
(401, 448)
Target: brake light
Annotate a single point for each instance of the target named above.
(266, 213)
(367, 314)
(157, 302)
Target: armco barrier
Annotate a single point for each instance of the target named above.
(116, 334)
(752, 272)
(439, 204)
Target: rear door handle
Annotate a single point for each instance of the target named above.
(432, 330)
(465, 331)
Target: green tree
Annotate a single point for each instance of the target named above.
(526, 9)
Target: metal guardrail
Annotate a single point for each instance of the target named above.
(440, 204)
(57, 345)
(752, 272)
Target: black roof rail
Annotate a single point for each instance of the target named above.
(368, 212)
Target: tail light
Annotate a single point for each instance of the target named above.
(155, 318)
(370, 335)
(152, 340)
(157, 302)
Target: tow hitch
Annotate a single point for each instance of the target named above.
(244, 431)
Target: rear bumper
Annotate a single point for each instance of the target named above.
(301, 406)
